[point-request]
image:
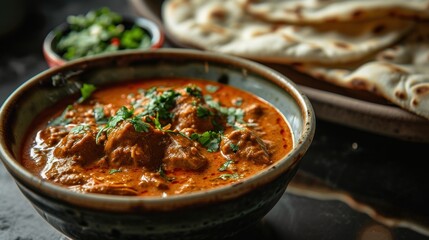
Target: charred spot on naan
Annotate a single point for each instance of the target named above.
(342, 45)
(415, 102)
(379, 28)
(360, 83)
(218, 14)
(358, 13)
(400, 94)
(422, 90)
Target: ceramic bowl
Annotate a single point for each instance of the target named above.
(217, 213)
(54, 59)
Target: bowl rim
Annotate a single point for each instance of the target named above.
(121, 203)
(54, 59)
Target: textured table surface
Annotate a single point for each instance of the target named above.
(351, 184)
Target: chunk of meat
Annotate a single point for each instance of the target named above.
(243, 144)
(253, 112)
(127, 147)
(80, 147)
(192, 112)
(182, 153)
(65, 172)
(51, 136)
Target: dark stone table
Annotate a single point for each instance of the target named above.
(351, 184)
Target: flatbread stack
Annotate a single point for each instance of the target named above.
(374, 45)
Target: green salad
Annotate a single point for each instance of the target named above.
(100, 31)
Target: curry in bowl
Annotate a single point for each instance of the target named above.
(165, 144)
(156, 137)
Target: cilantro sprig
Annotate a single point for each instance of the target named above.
(210, 140)
(227, 176)
(86, 90)
(194, 91)
(80, 129)
(225, 165)
(160, 103)
(233, 115)
(61, 120)
(124, 114)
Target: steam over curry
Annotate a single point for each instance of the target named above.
(156, 138)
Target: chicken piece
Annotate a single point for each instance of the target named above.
(127, 147)
(182, 153)
(243, 144)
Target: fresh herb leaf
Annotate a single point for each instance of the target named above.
(86, 90)
(162, 173)
(61, 120)
(225, 165)
(194, 91)
(209, 140)
(233, 147)
(227, 176)
(112, 171)
(80, 129)
(203, 112)
(232, 114)
(156, 122)
(139, 124)
(238, 102)
(160, 103)
(217, 126)
(121, 115)
(99, 116)
(212, 88)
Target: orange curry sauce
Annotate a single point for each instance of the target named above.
(156, 138)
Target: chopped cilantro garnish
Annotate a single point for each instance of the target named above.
(233, 147)
(61, 120)
(212, 88)
(156, 122)
(86, 90)
(121, 115)
(209, 140)
(162, 173)
(203, 112)
(160, 103)
(99, 116)
(238, 102)
(112, 171)
(227, 176)
(139, 124)
(225, 165)
(194, 91)
(80, 129)
(233, 114)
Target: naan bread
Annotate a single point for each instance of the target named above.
(323, 11)
(388, 56)
(224, 26)
(399, 73)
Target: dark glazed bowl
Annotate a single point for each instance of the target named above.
(216, 213)
(54, 59)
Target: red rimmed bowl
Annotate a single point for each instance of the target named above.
(207, 214)
(54, 59)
